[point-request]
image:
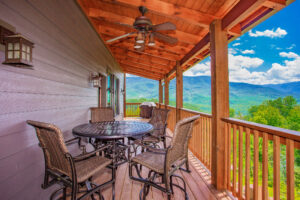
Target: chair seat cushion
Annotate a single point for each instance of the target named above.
(87, 168)
(154, 161)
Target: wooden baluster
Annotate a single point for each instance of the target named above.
(290, 169)
(276, 167)
(234, 161)
(205, 142)
(256, 163)
(240, 188)
(265, 167)
(209, 143)
(200, 139)
(229, 157)
(247, 180)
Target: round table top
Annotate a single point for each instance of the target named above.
(113, 129)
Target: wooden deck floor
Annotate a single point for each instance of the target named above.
(198, 184)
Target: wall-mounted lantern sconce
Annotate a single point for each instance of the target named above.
(18, 51)
(96, 79)
(122, 91)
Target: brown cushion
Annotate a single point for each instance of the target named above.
(87, 168)
(151, 160)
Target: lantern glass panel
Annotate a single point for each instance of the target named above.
(10, 46)
(28, 57)
(10, 54)
(17, 54)
(16, 46)
(24, 47)
(23, 55)
(28, 49)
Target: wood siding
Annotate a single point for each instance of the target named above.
(57, 90)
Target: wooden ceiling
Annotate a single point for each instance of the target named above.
(192, 19)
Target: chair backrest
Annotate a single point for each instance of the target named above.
(102, 114)
(179, 146)
(159, 119)
(53, 145)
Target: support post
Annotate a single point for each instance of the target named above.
(103, 89)
(124, 96)
(166, 92)
(179, 90)
(220, 102)
(160, 88)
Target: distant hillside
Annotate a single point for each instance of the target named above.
(197, 92)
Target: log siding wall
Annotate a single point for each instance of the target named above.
(57, 90)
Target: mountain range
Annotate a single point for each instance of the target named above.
(197, 92)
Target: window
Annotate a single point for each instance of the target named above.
(108, 91)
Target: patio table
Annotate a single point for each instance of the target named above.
(114, 131)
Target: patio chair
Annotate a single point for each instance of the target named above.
(102, 114)
(67, 170)
(159, 121)
(164, 162)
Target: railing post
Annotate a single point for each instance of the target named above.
(179, 92)
(166, 92)
(220, 101)
(160, 88)
(124, 96)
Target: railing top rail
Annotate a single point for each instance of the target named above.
(197, 113)
(285, 133)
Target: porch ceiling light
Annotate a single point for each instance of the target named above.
(140, 37)
(151, 40)
(137, 45)
(18, 51)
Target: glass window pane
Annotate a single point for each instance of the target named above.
(17, 46)
(17, 54)
(24, 47)
(23, 55)
(10, 54)
(10, 46)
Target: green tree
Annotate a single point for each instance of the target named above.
(294, 118)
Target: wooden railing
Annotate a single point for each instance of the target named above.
(200, 143)
(249, 154)
(133, 109)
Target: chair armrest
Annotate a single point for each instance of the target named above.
(87, 155)
(151, 149)
(70, 141)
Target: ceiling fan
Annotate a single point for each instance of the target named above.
(145, 29)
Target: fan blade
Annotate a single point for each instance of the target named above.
(168, 26)
(165, 38)
(119, 37)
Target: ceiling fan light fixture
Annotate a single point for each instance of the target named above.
(137, 45)
(140, 38)
(151, 40)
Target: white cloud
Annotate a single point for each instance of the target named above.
(236, 44)
(130, 75)
(239, 66)
(288, 55)
(248, 51)
(291, 47)
(269, 33)
(232, 51)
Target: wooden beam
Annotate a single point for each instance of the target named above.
(179, 90)
(220, 101)
(166, 92)
(142, 67)
(170, 10)
(126, 60)
(125, 66)
(160, 93)
(147, 58)
(242, 9)
(144, 53)
(193, 52)
(275, 4)
(142, 61)
(129, 71)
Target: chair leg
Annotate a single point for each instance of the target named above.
(65, 193)
(74, 191)
(114, 181)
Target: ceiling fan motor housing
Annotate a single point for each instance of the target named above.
(142, 23)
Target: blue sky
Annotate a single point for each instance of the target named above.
(267, 54)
